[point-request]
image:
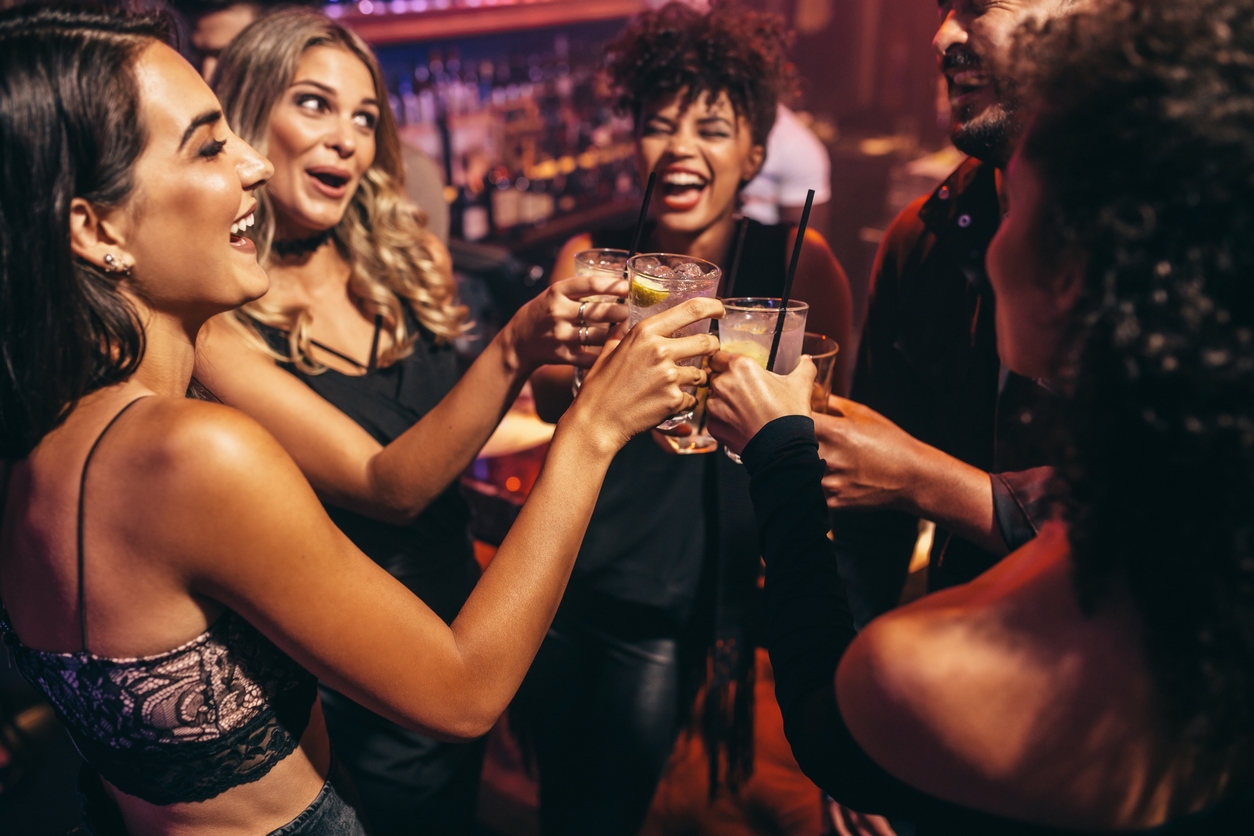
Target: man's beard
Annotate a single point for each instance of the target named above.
(988, 136)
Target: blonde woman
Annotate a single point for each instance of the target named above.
(347, 361)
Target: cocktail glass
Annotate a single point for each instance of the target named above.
(748, 328)
(659, 282)
(599, 262)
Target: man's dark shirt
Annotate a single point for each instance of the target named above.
(928, 362)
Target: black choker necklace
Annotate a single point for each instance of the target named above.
(301, 246)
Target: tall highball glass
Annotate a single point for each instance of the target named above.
(659, 282)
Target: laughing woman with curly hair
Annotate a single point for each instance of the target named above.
(670, 563)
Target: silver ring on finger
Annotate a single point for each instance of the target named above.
(583, 335)
(582, 307)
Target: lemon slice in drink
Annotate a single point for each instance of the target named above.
(756, 352)
(645, 296)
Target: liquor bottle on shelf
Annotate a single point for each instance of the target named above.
(504, 200)
(470, 215)
(523, 135)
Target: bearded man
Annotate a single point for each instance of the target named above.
(937, 429)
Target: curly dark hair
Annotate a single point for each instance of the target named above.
(677, 48)
(1143, 139)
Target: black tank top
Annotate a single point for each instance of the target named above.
(660, 517)
(432, 555)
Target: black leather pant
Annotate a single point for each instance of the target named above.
(599, 713)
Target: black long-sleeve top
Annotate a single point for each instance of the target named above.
(809, 627)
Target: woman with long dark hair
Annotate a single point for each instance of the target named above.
(1101, 678)
(170, 579)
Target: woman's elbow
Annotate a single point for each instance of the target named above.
(405, 511)
(471, 720)
(380, 500)
(392, 511)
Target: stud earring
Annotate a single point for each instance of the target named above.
(114, 265)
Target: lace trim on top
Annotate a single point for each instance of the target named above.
(183, 725)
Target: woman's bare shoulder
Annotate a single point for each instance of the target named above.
(173, 478)
(995, 694)
(185, 452)
(187, 428)
(916, 673)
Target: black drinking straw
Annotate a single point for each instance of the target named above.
(644, 214)
(792, 271)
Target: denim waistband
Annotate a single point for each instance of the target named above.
(331, 813)
(334, 812)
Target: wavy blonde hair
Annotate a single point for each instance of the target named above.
(382, 235)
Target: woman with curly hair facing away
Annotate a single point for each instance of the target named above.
(1101, 678)
(348, 361)
(173, 584)
(670, 563)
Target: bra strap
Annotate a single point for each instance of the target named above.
(82, 495)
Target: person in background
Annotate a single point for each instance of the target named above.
(215, 23)
(170, 580)
(937, 428)
(603, 704)
(796, 161)
(1100, 678)
(348, 361)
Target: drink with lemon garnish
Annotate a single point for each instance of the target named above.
(659, 282)
(748, 328)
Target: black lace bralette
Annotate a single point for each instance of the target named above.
(184, 725)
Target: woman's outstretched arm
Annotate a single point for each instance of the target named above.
(250, 533)
(349, 468)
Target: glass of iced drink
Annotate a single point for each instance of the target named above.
(659, 282)
(600, 262)
(748, 328)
